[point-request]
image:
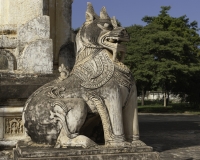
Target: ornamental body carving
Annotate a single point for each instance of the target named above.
(99, 83)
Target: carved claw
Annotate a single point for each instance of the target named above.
(79, 141)
(57, 145)
(137, 143)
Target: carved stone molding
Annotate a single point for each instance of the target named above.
(13, 126)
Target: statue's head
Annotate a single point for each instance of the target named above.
(101, 32)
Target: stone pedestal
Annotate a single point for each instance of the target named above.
(14, 91)
(28, 151)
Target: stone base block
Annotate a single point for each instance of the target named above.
(29, 152)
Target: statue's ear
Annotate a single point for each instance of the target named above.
(104, 14)
(90, 14)
(89, 17)
(114, 22)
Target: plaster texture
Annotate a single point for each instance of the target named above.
(7, 41)
(38, 28)
(27, 47)
(19, 11)
(26, 52)
(14, 90)
(60, 24)
(24, 21)
(36, 57)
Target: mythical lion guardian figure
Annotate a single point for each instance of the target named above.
(98, 83)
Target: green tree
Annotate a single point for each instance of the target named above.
(169, 46)
(141, 63)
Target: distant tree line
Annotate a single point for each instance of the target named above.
(165, 54)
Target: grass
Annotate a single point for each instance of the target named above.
(157, 107)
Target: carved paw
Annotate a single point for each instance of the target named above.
(79, 141)
(137, 143)
(57, 145)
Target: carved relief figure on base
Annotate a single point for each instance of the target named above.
(99, 83)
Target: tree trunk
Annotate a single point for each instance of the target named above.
(165, 100)
(142, 103)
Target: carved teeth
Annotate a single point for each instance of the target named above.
(112, 39)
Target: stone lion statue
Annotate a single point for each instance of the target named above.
(99, 83)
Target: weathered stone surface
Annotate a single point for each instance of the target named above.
(98, 84)
(67, 55)
(38, 28)
(26, 31)
(19, 11)
(60, 13)
(14, 91)
(36, 47)
(23, 26)
(7, 60)
(3, 62)
(20, 87)
(8, 41)
(23, 21)
(45, 152)
(8, 36)
(1, 130)
(37, 57)
(10, 110)
(26, 79)
(8, 29)
(17, 91)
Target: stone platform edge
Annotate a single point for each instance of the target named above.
(22, 152)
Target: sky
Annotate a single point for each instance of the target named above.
(130, 12)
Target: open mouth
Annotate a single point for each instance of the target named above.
(114, 43)
(116, 39)
(113, 40)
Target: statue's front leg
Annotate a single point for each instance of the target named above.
(71, 114)
(113, 106)
(130, 119)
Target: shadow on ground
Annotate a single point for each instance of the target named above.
(174, 136)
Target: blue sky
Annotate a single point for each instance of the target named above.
(130, 12)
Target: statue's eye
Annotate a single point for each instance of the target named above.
(106, 25)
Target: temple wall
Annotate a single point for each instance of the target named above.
(32, 35)
(60, 25)
(23, 24)
(19, 11)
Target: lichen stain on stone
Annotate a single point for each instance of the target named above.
(8, 32)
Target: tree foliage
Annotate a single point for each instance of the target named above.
(165, 53)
